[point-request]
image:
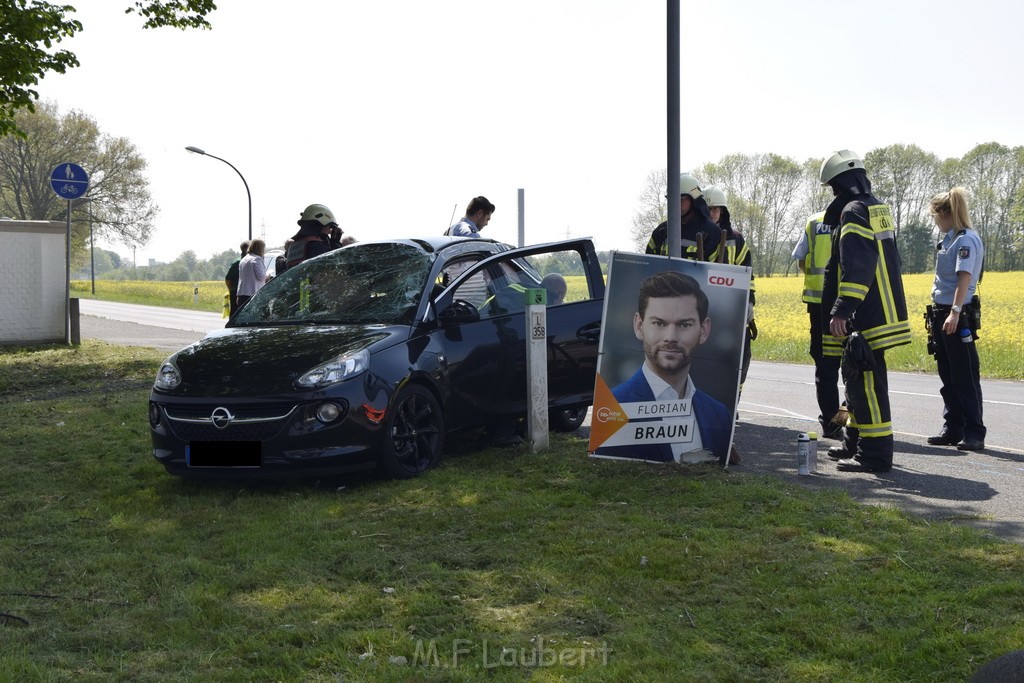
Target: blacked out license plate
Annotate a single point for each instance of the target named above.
(224, 454)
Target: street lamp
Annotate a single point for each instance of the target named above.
(196, 150)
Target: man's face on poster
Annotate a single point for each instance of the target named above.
(670, 332)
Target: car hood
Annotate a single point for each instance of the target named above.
(262, 361)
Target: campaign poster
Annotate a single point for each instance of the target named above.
(671, 348)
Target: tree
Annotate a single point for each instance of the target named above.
(770, 198)
(653, 209)
(916, 243)
(994, 175)
(815, 197)
(765, 194)
(118, 203)
(903, 176)
(29, 29)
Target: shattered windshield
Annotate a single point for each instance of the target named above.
(364, 283)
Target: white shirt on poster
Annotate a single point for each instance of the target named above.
(663, 391)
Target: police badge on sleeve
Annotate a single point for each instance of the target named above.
(964, 253)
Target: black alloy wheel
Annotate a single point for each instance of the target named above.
(414, 434)
(567, 420)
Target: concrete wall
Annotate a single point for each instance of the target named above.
(32, 272)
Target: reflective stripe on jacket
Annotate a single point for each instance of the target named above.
(819, 249)
(863, 281)
(658, 244)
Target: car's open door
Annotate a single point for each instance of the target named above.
(481, 315)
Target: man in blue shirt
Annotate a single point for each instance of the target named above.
(478, 215)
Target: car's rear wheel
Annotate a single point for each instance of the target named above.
(567, 420)
(413, 434)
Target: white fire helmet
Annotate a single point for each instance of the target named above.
(689, 185)
(714, 196)
(841, 161)
(319, 213)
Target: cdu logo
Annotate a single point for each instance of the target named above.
(720, 279)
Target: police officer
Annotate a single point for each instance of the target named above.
(863, 293)
(735, 252)
(694, 220)
(811, 253)
(952, 329)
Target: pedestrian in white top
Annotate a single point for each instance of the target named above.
(252, 272)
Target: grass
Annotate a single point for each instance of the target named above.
(781, 317)
(504, 565)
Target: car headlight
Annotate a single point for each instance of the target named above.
(336, 370)
(168, 376)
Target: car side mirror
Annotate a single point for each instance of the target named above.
(459, 312)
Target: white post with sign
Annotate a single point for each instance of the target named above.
(537, 368)
(70, 182)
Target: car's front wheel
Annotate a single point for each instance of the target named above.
(413, 434)
(567, 420)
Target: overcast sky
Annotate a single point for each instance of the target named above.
(394, 114)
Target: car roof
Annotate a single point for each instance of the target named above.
(437, 243)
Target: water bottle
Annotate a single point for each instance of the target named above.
(965, 335)
(803, 454)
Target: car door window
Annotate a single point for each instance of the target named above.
(561, 273)
(499, 288)
(475, 289)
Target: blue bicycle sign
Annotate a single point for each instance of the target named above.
(69, 181)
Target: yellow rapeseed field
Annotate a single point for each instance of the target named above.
(783, 324)
(174, 294)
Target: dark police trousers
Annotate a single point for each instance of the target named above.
(869, 435)
(826, 368)
(959, 370)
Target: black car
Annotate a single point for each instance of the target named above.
(366, 356)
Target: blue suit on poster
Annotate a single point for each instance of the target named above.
(713, 420)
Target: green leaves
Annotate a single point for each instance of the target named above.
(29, 29)
(181, 14)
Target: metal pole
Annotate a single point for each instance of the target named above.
(196, 150)
(673, 72)
(522, 217)
(247, 193)
(67, 279)
(92, 251)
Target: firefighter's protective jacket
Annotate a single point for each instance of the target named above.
(737, 253)
(863, 280)
(699, 222)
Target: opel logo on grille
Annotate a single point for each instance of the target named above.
(221, 417)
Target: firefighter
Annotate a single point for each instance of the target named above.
(811, 253)
(953, 322)
(735, 252)
(316, 225)
(694, 220)
(700, 239)
(867, 311)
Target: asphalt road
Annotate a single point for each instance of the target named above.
(985, 490)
